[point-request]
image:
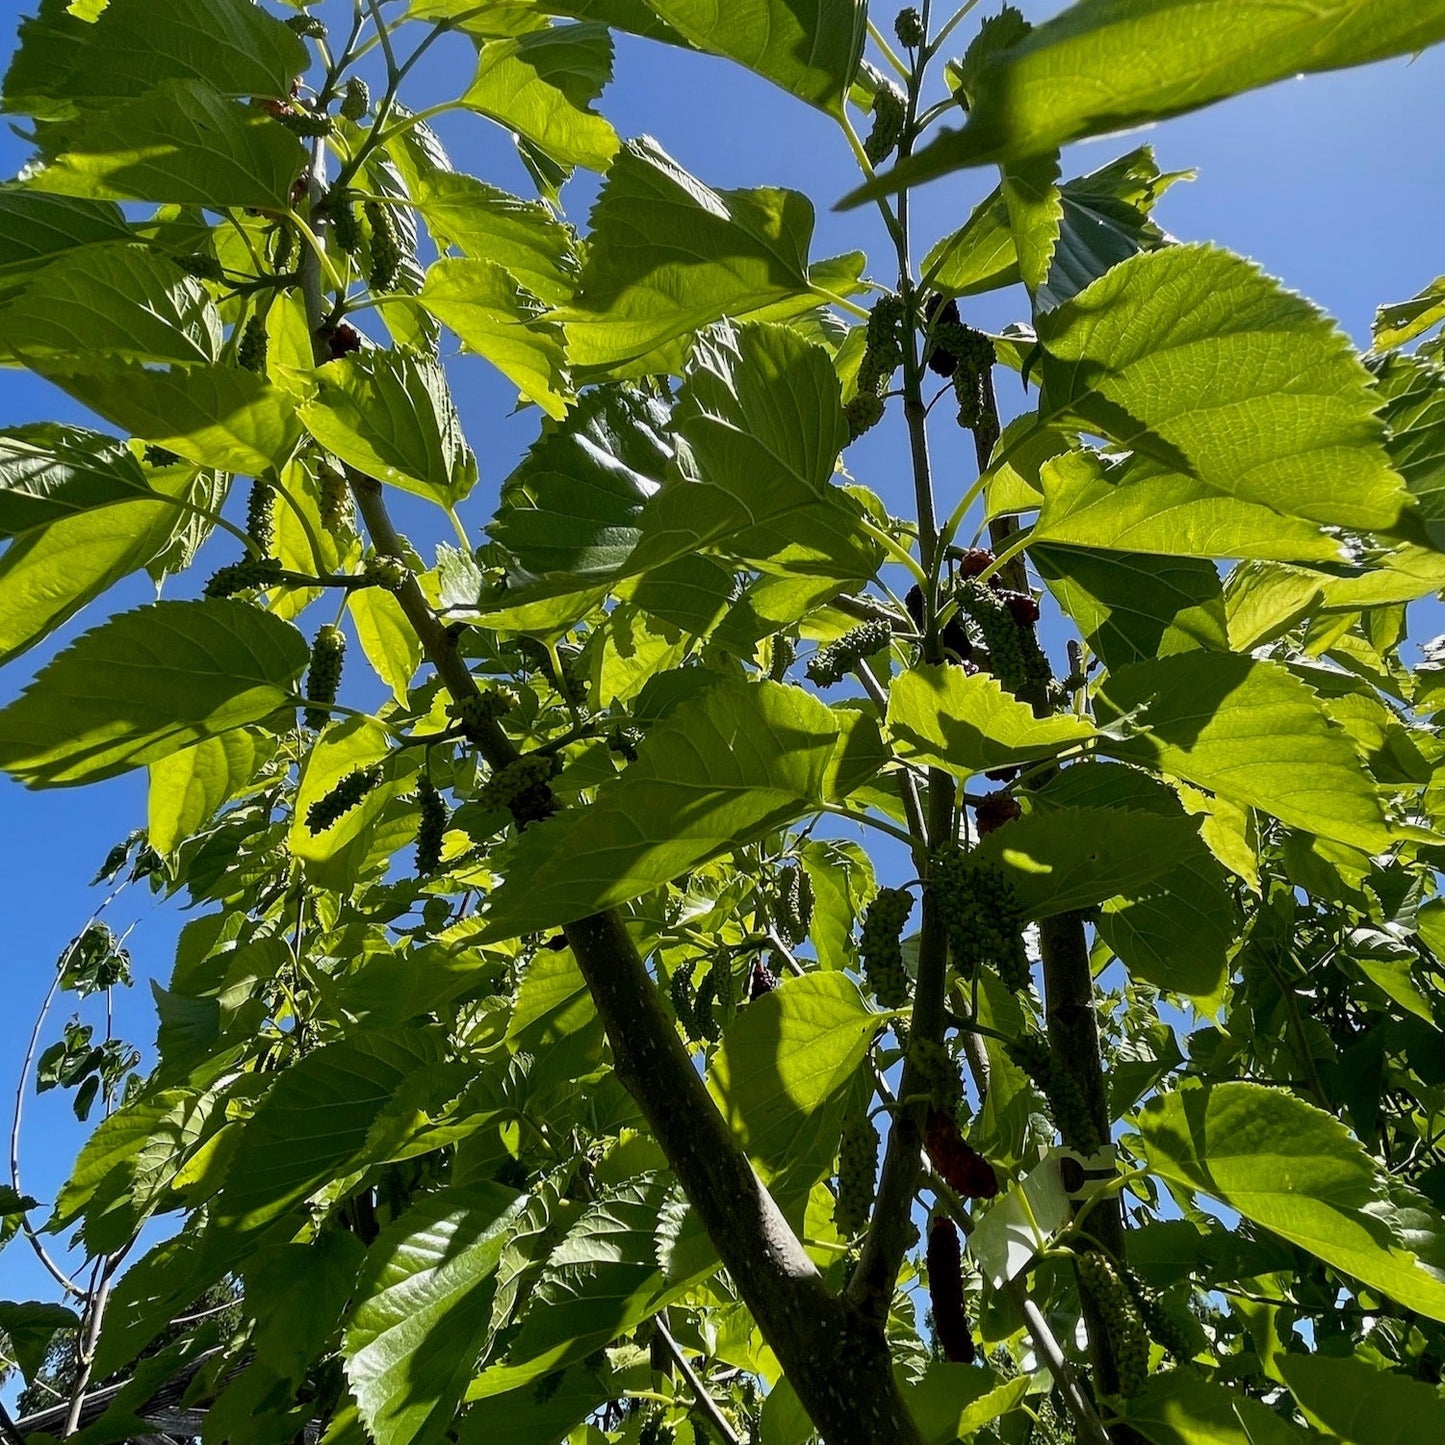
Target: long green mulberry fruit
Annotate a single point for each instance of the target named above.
(833, 663)
(890, 111)
(257, 572)
(356, 99)
(1156, 1319)
(880, 946)
(862, 413)
(794, 908)
(431, 829)
(1067, 1105)
(334, 494)
(521, 787)
(883, 348)
(342, 798)
(945, 1292)
(935, 1070)
(684, 1001)
(260, 514)
(857, 1174)
(385, 246)
(981, 914)
(251, 350)
(383, 570)
(908, 27)
(345, 228)
(323, 677)
(1128, 1340)
(473, 714)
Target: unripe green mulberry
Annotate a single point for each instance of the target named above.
(342, 798)
(785, 651)
(880, 946)
(1128, 1341)
(334, 495)
(381, 570)
(862, 413)
(684, 1002)
(794, 907)
(345, 228)
(890, 111)
(307, 26)
(1157, 1321)
(251, 351)
(520, 787)
(323, 677)
(474, 714)
(385, 246)
(431, 829)
(981, 914)
(704, 1019)
(300, 120)
(883, 350)
(833, 663)
(935, 1073)
(908, 27)
(260, 519)
(1070, 1110)
(253, 572)
(356, 100)
(202, 265)
(857, 1174)
(945, 1292)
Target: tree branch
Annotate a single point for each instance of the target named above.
(700, 1392)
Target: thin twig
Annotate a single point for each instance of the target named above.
(705, 1401)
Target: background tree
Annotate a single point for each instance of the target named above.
(546, 1060)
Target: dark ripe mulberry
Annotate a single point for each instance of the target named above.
(253, 572)
(761, 980)
(945, 1292)
(975, 561)
(958, 1163)
(913, 601)
(993, 810)
(323, 677)
(334, 496)
(356, 99)
(154, 456)
(431, 829)
(346, 795)
(251, 351)
(1014, 656)
(307, 26)
(880, 946)
(385, 246)
(908, 27)
(1128, 1340)
(793, 910)
(624, 741)
(260, 514)
(862, 413)
(943, 317)
(1021, 607)
(890, 112)
(833, 663)
(341, 340)
(383, 570)
(857, 1174)
(345, 228)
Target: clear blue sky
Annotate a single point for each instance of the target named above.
(1334, 183)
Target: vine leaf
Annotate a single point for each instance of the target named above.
(146, 684)
(424, 1310)
(1293, 1169)
(1253, 733)
(725, 767)
(1108, 65)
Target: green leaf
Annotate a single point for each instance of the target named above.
(541, 85)
(146, 684)
(812, 50)
(391, 416)
(953, 1401)
(1135, 504)
(1035, 213)
(214, 416)
(573, 503)
(65, 64)
(314, 1123)
(35, 228)
(1361, 1404)
(297, 1293)
(488, 224)
(843, 885)
(47, 576)
(1108, 65)
(1251, 732)
(1179, 1407)
(496, 318)
(424, 1310)
(1414, 416)
(942, 717)
(113, 301)
(1070, 857)
(1404, 321)
(555, 1021)
(667, 256)
(50, 472)
(1198, 359)
(785, 1071)
(1131, 606)
(726, 767)
(387, 638)
(188, 787)
(1293, 1169)
(180, 143)
(28, 1326)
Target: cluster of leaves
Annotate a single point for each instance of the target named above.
(517, 1135)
